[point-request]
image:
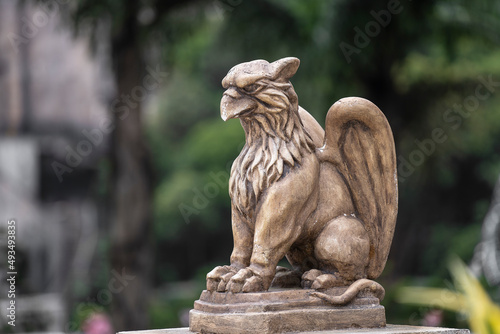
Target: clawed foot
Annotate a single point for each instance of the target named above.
(227, 278)
(245, 281)
(232, 279)
(316, 279)
(286, 278)
(218, 278)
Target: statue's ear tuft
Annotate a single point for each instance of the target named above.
(283, 69)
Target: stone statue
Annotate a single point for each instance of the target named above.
(325, 199)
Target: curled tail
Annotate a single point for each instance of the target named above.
(352, 291)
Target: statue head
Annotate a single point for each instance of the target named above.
(259, 87)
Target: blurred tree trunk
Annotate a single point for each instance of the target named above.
(131, 222)
(131, 240)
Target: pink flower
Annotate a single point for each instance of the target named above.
(433, 318)
(97, 323)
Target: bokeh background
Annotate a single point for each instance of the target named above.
(114, 161)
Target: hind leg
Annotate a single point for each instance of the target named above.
(286, 278)
(301, 257)
(342, 250)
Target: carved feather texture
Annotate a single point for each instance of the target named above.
(359, 141)
(273, 141)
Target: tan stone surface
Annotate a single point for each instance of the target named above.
(281, 311)
(390, 329)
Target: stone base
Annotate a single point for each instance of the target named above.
(282, 311)
(291, 310)
(390, 329)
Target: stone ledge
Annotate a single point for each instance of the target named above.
(283, 311)
(389, 329)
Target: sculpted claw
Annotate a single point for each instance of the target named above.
(244, 281)
(253, 284)
(234, 287)
(221, 287)
(224, 281)
(212, 284)
(242, 275)
(227, 276)
(309, 276)
(218, 278)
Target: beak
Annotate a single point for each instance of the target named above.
(233, 104)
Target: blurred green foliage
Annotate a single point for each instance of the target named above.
(468, 297)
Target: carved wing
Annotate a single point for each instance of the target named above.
(359, 141)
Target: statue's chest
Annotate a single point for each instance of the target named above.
(241, 189)
(256, 169)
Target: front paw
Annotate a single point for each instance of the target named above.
(218, 278)
(245, 281)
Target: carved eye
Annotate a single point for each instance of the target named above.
(251, 88)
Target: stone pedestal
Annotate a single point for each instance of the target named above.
(282, 311)
(291, 311)
(389, 329)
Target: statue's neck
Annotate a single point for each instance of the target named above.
(254, 131)
(279, 127)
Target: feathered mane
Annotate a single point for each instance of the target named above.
(275, 143)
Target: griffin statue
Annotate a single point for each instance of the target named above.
(325, 199)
